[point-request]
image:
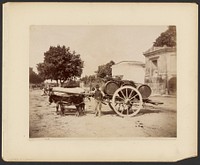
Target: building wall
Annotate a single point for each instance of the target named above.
(160, 72)
(129, 71)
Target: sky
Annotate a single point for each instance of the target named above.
(97, 45)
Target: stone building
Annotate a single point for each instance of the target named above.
(160, 69)
(129, 70)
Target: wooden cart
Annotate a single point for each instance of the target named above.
(124, 97)
(68, 100)
(127, 98)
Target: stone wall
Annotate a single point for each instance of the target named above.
(160, 70)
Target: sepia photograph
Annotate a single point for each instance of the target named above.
(102, 81)
(99, 82)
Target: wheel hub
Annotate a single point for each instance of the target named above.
(127, 101)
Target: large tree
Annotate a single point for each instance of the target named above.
(60, 64)
(105, 70)
(167, 38)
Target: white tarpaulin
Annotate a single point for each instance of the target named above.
(50, 81)
(76, 90)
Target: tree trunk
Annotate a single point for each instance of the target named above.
(62, 82)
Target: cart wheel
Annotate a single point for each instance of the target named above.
(127, 101)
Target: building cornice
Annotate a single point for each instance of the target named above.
(130, 62)
(159, 50)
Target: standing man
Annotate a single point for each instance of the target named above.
(98, 96)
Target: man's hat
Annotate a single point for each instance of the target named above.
(97, 86)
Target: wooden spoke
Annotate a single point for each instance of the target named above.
(120, 97)
(123, 94)
(136, 104)
(130, 93)
(119, 107)
(127, 111)
(123, 109)
(119, 102)
(133, 97)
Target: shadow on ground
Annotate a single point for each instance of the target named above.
(148, 111)
(141, 112)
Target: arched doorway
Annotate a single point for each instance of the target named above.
(172, 86)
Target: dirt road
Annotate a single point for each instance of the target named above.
(157, 121)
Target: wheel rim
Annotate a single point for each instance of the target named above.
(127, 101)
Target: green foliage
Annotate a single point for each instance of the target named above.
(34, 77)
(167, 38)
(60, 64)
(105, 70)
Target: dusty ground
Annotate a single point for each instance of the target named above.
(157, 121)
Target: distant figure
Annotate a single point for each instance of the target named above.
(98, 96)
(44, 91)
